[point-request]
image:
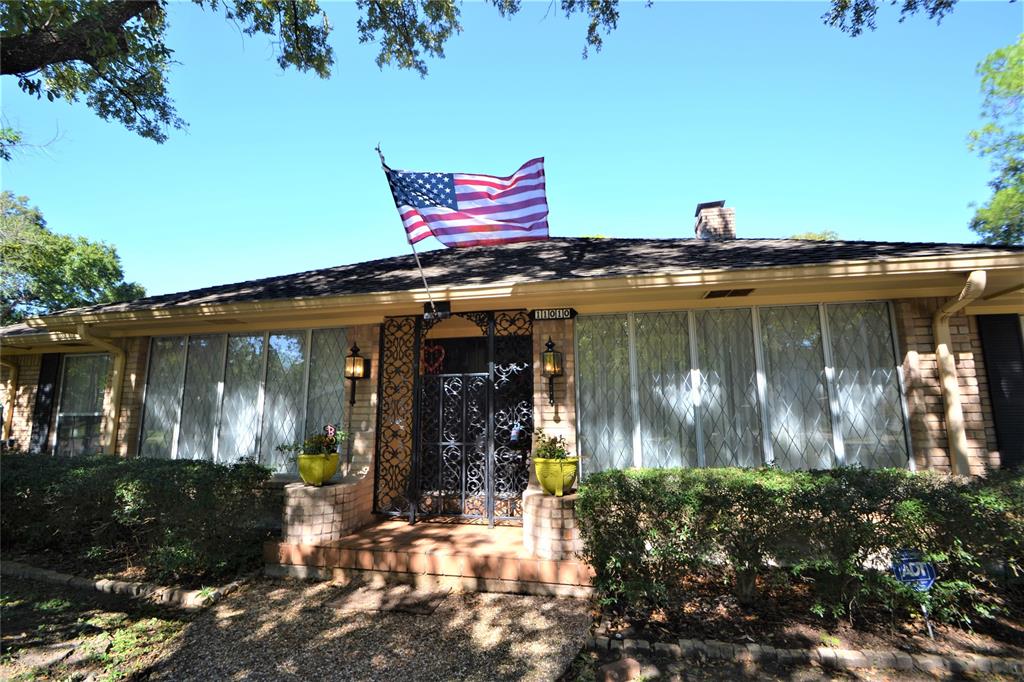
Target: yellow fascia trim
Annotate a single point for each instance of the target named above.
(367, 308)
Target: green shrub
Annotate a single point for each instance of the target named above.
(180, 520)
(645, 531)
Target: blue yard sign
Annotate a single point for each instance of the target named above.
(912, 571)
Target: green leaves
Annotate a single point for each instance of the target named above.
(835, 532)
(180, 519)
(1000, 220)
(42, 271)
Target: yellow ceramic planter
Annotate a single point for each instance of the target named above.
(556, 476)
(315, 469)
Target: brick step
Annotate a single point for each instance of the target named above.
(465, 557)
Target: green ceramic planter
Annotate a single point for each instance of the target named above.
(315, 469)
(556, 476)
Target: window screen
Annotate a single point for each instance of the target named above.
(80, 414)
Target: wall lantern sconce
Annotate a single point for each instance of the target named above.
(551, 367)
(356, 367)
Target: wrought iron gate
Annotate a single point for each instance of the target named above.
(454, 443)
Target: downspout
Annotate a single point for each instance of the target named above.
(117, 382)
(956, 434)
(12, 394)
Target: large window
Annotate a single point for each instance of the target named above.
(83, 381)
(227, 397)
(799, 387)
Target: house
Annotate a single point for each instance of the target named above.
(703, 351)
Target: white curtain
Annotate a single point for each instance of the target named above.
(284, 399)
(239, 422)
(668, 434)
(229, 397)
(730, 421)
(867, 384)
(163, 396)
(200, 404)
(798, 404)
(726, 404)
(326, 401)
(606, 412)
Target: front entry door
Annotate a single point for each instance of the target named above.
(475, 429)
(455, 416)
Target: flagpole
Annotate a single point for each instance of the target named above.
(415, 255)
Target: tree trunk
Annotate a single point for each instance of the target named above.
(27, 52)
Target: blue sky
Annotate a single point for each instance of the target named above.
(797, 125)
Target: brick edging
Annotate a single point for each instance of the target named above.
(168, 596)
(827, 657)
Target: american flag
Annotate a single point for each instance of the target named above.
(464, 209)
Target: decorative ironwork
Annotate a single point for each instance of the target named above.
(467, 455)
(398, 365)
(513, 411)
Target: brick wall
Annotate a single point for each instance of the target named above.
(315, 515)
(363, 426)
(549, 525)
(134, 382)
(25, 400)
(559, 419)
(924, 391)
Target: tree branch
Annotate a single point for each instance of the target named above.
(37, 49)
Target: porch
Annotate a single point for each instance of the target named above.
(433, 555)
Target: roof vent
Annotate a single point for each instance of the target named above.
(715, 221)
(727, 293)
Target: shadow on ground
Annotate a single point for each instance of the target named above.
(281, 629)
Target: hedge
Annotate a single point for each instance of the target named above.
(180, 520)
(645, 530)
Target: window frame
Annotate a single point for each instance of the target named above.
(767, 451)
(58, 413)
(261, 402)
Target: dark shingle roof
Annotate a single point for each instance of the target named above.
(561, 258)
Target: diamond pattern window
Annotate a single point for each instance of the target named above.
(668, 434)
(798, 403)
(284, 398)
(867, 384)
(163, 396)
(228, 397)
(200, 404)
(637, 401)
(326, 400)
(240, 411)
(606, 408)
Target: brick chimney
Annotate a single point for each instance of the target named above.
(715, 221)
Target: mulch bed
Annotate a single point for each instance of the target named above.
(112, 567)
(782, 618)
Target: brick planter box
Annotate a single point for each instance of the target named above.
(315, 515)
(549, 525)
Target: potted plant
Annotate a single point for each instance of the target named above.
(317, 456)
(556, 470)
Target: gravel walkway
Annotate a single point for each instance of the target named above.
(280, 629)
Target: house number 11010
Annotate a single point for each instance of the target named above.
(553, 314)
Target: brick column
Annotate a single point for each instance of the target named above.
(924, 391)
(363, 425)
(549, 525)
(130, 417)
(558, 419)
(24, 399)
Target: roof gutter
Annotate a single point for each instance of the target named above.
(956, 434)
(12, 394)
(113, 411)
